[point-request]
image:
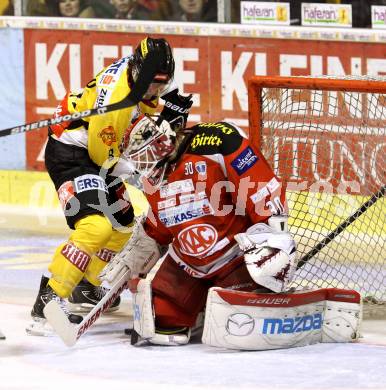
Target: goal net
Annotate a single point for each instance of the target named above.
(325, 138)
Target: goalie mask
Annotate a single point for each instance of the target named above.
(147, 144)
(153, 61)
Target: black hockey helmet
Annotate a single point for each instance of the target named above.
(153, 63)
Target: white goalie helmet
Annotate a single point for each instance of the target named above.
(146, 144)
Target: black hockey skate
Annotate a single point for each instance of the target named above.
(39, 325)
(85, 296)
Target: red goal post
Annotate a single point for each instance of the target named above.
(325, 137)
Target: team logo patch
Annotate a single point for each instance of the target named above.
(65, 193)
(185, 213)
(273, 185)
(188, 198)
(89, 182)
(164, 204)
(200, 167)
(108, 135)
(176, 187)
(262, 193)
(197, 240)
(245, 160)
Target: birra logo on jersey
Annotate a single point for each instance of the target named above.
(245, 160)
(292, 325)
(185, 212)
(197, 240)
(89, 182)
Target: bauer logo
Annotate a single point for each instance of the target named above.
(292, 325)
(245, 160)
(89, 182)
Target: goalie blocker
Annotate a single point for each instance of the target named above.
(250, 321)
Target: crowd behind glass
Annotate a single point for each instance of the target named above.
(171, 10)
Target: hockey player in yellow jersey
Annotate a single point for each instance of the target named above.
(82, 159)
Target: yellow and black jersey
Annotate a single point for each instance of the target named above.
(100, 134)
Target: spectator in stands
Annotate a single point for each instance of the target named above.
(153, 10)
(196, 11)
(6, 7)
(123, 8)
(40, 8)
(74, 8)
(103, 9)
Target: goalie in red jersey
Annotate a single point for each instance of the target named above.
(216, 218)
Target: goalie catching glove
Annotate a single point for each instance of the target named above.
(269, 253)
(138, 256)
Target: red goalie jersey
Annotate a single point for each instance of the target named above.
(219, 187)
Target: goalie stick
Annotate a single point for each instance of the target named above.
(339, 229)
(70, 332)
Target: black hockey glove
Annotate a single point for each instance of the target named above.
(176, 109)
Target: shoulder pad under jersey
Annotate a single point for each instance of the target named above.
(213, 138)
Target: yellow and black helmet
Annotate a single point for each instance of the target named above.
(161, 50)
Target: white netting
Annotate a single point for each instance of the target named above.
(329, 147)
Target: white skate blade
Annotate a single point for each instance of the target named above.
(60, 323)
(40, 327)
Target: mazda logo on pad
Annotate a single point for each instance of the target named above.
(240, 324)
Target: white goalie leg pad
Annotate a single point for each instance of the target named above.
(144, 324)
(251, 321)
(143, 309)
(342, 320)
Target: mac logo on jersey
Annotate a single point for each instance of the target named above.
(240, 324)
(197, 240)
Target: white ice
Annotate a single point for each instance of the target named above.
(104, 359)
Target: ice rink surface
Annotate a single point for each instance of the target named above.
(104, 359)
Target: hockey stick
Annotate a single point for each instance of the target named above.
(145, 77)
(125, 102)
(2, 337)
(339, 229)
(70, 332)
